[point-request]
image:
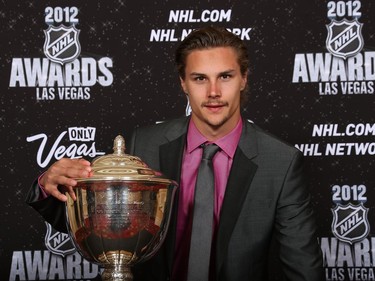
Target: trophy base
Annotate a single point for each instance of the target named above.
(117, 273)
(117, 267)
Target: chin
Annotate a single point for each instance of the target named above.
(216, 122)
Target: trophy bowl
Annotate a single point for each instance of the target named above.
(121, 214)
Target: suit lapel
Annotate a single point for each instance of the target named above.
(240, 178)
(171, 154)
(171, 158)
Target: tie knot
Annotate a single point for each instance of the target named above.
(209, 151)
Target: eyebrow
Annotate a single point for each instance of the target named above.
(229, 71)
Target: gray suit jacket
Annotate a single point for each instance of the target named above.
(266, 196)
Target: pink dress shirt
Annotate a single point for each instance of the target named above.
(222, 163)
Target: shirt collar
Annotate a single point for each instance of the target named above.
(228, 143)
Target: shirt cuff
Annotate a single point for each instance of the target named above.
(43, 193)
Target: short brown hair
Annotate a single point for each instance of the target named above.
(211, 37)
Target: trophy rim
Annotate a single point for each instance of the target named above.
(127, 179)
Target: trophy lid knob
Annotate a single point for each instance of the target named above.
(119, 145)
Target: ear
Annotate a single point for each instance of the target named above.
(244, 81)
(183, 85)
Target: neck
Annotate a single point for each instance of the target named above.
(214, 132)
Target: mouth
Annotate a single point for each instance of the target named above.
(214, 106)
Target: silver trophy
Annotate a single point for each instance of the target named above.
(121, 214)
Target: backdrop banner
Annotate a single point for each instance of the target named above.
(75, 74)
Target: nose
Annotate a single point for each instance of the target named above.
(214, 89)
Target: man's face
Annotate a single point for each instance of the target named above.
(213, 82)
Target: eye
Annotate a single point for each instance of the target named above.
(226, 76)
(199, 78)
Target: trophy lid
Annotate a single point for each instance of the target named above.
(120, 166)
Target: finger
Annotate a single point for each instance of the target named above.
(71, 169)
(58, 195)
(79, 162)
(53, 183)
(84, 162)
(61, 180)
(82, 167)
(71, 193)
(72, 163)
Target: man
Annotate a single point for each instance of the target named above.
(260, 190)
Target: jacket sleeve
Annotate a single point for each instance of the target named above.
(51, 209)
(296, 227)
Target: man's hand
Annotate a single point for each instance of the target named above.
(60, 177)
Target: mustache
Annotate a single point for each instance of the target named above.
(214, 103)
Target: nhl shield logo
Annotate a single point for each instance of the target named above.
(344, 38)
(57, 242)
(61, 44)
(350, 223)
